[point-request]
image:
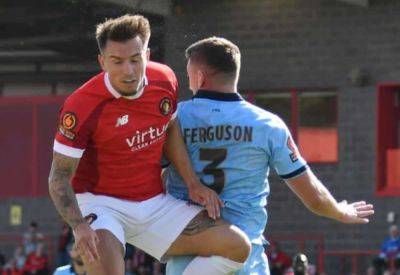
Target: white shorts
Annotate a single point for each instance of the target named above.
(151, 225)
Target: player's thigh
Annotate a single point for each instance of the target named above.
(111, 254)
(205, 237)
(166, 218)
(110, 232)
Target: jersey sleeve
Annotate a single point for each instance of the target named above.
(74, 128)
(285, 157)
(174, 90)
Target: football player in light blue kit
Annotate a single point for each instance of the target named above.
(233, 144)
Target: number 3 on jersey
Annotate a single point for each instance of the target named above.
(216, 156)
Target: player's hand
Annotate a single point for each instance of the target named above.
(208, 198)
(356, 212)
(86, 242)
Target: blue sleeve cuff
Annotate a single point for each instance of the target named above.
(294, 173)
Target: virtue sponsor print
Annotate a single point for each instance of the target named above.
(218, 132)
(144, 138)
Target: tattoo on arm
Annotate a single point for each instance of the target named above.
(201, 223)
(61, 192)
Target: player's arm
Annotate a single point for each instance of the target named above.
(62, 170)
(316, 197)
(289, 164)
(175, 151)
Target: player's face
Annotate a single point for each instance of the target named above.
(196, 76)
(393, 231)
(125, 63)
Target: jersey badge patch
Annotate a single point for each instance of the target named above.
(68, 123)
(294, 156)
(165, 106)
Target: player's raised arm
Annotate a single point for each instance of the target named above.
(175, 151)
(291, 167)
(62, 170)
(319, 200)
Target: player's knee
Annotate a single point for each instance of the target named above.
(240, 246)
(244, 250)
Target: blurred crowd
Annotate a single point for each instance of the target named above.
(30, 258)
(280, 263)
(136, 261)
(388, 261)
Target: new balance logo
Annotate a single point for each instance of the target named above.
(122, 120)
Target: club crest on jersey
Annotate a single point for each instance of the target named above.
(165, 106)
(67, 124)
(294, 156)
(69, 121)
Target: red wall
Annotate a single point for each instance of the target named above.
(387, 120)
(27, 131)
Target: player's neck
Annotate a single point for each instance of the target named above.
(220, 88)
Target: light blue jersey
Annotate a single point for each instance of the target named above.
(232, 145)
(64, 270)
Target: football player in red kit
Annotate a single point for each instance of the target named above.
(111, 136)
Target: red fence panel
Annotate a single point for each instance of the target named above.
(28, 125)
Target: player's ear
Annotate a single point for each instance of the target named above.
(100, 58)
(200, 78)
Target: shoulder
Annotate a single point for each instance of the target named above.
(161, 75)
(92, 93)
(184, 104)
(155, 70)
(62, 270)
(262, 116)
(189, 106)
(387, 240)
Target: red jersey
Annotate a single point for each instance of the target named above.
(35, 263)
(119, 140)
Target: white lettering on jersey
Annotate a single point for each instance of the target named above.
(122, 120)
(142, 139)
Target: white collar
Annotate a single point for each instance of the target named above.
(114, 92)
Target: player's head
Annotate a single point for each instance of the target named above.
(394, 231)
(300, 264)
(123, 45)
(212, 62)
(76, 260)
